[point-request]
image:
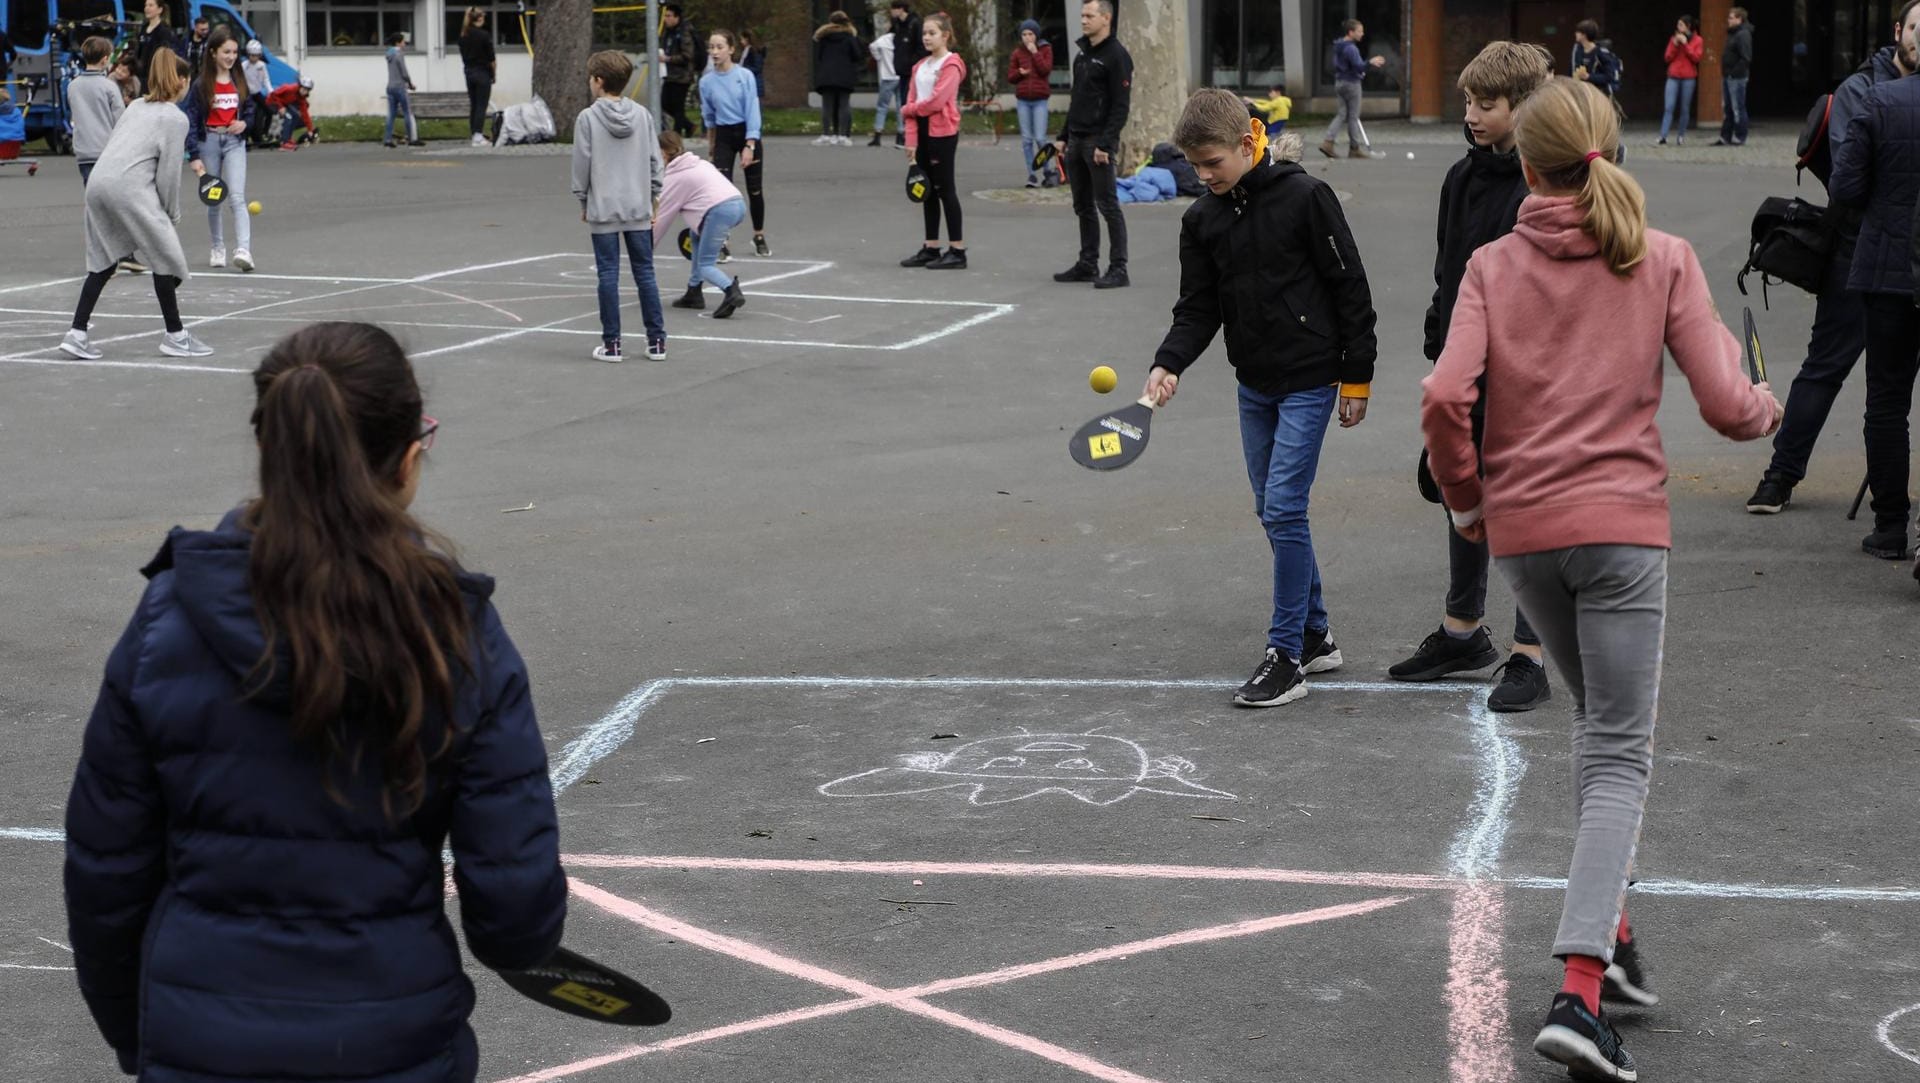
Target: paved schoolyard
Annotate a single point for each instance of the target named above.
(894, 745)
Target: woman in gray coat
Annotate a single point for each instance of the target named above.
(133, 201)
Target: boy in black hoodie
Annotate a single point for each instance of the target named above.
(1478, 203)
(1267, 253)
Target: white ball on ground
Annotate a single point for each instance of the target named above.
(1409, 156)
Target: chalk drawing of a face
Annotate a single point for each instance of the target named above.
(1096, 768)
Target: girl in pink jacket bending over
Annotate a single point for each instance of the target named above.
(1574, 501)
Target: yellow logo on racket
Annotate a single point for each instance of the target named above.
(1103, 445)
(216, 193)
(590, 999)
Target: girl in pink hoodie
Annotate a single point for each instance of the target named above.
(693, 189)
(1574, 503)
(932, 119)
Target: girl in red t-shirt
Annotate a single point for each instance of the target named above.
(219, 110)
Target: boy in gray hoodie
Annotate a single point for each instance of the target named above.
(95, 103)
(617, 177)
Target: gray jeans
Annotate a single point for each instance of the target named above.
(1601, 611)
(1348, 115)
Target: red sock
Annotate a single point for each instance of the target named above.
(1583, 980)
(1625, 935)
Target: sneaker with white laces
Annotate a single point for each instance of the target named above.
(243, 259)
(608, 351)
(1584, 1042)
(657, 349)
(78, 345)
(1318, 654)
(1275, 682)
(181, 343)
(218, 258)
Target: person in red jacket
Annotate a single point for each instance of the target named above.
(1684, 51)
(1028, 69)
(290, 101)
(932, 117)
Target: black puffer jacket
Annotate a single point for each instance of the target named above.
(838, 58)
(1479, 201)
(1736, 60)
(1877, 166)
(1274, 261)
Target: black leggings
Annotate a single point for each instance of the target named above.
(479, 91)
(728, 141)
(836, 110)
(935, 156)
(164, 287)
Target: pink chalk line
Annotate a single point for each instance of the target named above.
(908, 999)
(1477, 1030)
(1387, 881)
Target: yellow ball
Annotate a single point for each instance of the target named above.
(1103, 379)
(254, 207)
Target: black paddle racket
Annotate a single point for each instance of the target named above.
(1114, 440)
(1756, 360)
(1044, 155)
(213, 190)
(686, 243)
(917, 184)
(570, 982)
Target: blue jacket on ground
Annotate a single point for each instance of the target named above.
(230, 920)
(1876, 165)
(1348, 65)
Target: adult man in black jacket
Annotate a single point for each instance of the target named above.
(679, 57)
(1090, 141)
(1736, 64)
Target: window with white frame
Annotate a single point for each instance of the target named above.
(357, 24)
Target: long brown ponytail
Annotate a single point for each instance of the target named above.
(344, 581)
(209, 75)
(1570, 136)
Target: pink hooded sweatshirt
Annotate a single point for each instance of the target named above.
(691, 186)
(1572, 355)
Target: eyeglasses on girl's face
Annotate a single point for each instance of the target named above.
(428, 428)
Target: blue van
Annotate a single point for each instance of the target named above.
(47, 34)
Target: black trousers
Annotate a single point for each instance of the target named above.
(164, 291)
(1095, 196)
(836, 111)
(479, 92)
(728, 141)
(673, 102)
(1839, 334)
(934, 153)
(1893, 359)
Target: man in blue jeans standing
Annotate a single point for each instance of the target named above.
(1736, 63)
(1348, 71)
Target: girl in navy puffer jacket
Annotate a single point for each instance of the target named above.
(311, 700)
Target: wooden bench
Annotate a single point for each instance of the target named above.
(442, 105)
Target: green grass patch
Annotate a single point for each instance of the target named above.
(367, 129)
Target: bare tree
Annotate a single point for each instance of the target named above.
(1156, 36)
(564, 37)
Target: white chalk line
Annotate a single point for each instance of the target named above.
(49, 284)
(1476, 851)
(28, 966)
(1885, 1033)
(1695, 889)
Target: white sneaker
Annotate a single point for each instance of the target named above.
(77, 344)
(607, 351)
(183, 344)
(243, 259)
(824, 141)
(480, 140)
(657, 350)
(218, 259)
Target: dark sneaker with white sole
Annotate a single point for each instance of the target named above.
(1584, 1042)
(1771, 496)
(1275, 682)
(1319, 654)
(1626, 978)
(1523, 685)
(1440, 654)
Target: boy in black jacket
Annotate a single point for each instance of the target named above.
(1478, 203)
(1269, 247)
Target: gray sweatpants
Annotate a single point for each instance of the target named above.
(1348, 115)
(1601, 611)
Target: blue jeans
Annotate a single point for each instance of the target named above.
(1679, 91)
(888, 99)
(1733, 119)
(706, 243)
(399, 105)
(225, 156)
(606, 262)
(1033, 132)
(1281, 437)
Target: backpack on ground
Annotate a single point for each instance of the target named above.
(1791, 241)
(1814, 152)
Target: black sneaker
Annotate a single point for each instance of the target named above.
(1079, 272)
(1277, 681)
(1626, 979)
(1522, 687)
(921, 257)
(1886, 544)
(1771, 496)
(1583, 1042)
(692, 299)
(1319, 654)
(731, 302)
(760, 246)
(1441, 654)
(1114, 279)
(953, 259)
